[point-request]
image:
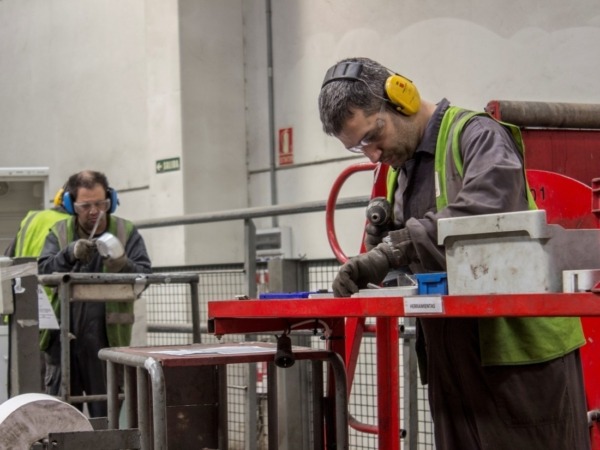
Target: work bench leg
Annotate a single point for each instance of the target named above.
(318, 411)
(223, 437)
(272, 406)
(113, 395)
(388, 385)
(130, 403)
(143, 407)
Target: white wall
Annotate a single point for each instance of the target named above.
(116, 85)
(469, 52)
(212, 94)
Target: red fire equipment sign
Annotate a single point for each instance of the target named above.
(286, 147)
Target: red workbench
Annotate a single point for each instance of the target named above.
(254, 316)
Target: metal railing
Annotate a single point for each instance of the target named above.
(107, 287)
(250, 288)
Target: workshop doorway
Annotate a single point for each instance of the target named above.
(21, 190)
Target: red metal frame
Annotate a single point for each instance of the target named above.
(247, 316)
(354, 327)
(567, 201)
(379, 189)
(596, 198)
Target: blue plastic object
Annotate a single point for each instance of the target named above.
(432, 283)
(284, 295)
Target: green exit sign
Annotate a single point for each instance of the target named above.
(168, 165)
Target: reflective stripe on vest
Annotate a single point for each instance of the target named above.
(119, 318)
(391, 184)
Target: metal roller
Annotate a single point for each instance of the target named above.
(543, 114)
(28, 418)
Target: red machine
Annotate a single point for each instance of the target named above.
(562, 152)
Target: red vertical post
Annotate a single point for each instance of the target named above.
(388, 384)
(596, 199)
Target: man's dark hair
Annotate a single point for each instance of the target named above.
(338, 97)
(87, 179)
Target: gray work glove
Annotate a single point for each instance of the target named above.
(82, 250)
(374, 235)
(372, 267)
(115, 265)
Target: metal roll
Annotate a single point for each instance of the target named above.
(544, 114)
(27, 418)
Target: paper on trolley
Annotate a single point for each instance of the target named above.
(221, 350)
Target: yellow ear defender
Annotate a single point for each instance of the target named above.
(58, 198)
(399, 90)
(403, 94)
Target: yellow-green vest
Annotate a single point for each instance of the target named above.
(33, 231)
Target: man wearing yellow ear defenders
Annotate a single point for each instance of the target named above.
(448, 162)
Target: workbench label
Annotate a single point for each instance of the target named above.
(423, 305)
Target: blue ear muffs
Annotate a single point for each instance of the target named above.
(114, 200)
(67, 201)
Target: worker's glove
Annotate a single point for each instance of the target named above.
(373, 235)
(115, 265)
(371, 267)
(82, 250)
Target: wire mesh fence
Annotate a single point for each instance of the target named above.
(168, 316)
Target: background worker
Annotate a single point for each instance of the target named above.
(34, 227)
(30, 238)
(71, 247)
(501, 383)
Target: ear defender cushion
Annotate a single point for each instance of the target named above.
(67, 202)
(114, 200)
(403, 94)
